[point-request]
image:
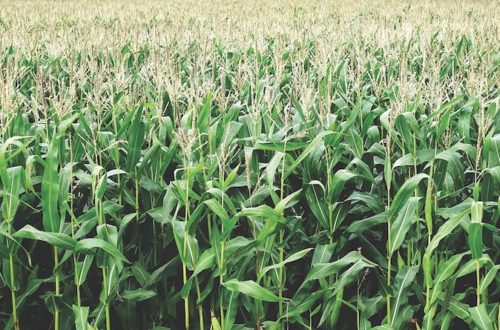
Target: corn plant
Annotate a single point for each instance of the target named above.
(249, 165)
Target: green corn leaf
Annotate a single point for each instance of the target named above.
(475, 239)
(50, 189)
(387, 171)
(272, 167)
(252, 289)
(287, 202)
(351, 274)
(362, 225)
(404, 193)
(137, 294)
(82, 269)
(470, 266)
(140, 273)
(403, 280)
(232, 308)
(316, 199)
(445, 230)
(217, 208)
(215, 323)
(187, 245)
(81, 316)
(59, 240)
(402, 224)
(428, 203)
(310, 147)
(322, 270)
(322, 253)
(10, 194)
(488, 279)
(135, 134)
(445, 271)
(206, 261)
(32, 287)
(480, 317)
(294, 257)
(442, 233)
(263, 211)
(340, 178)
(88, 245)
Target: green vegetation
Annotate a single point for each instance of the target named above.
(237, 165)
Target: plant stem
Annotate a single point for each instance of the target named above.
(389, 285)
(200, 309)
(428, 221)
(78, 296)
(101, 221)
(281, 279)
(105, 286)
(13, 292)
(478, 283)
(137, 198)
(56, 314)
(357, 307)
(12, 281)
(119, 185)
(186, 300)
(221, 266)
(389, 257)
(74, 224)
(184, 248)
(281, 234)
(198, 292)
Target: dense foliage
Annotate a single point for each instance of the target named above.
(249, 165)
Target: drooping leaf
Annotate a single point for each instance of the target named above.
(137, 294)
(60, 240)
(252, 289)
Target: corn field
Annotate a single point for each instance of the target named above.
(249, 165)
